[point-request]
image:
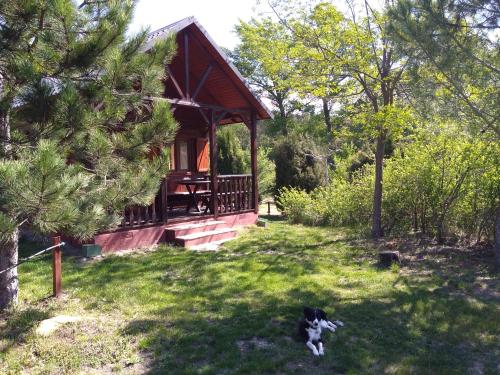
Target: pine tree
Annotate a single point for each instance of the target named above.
(456, 47)
(79, 131)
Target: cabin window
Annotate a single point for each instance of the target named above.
(182, 156)
(190, 155)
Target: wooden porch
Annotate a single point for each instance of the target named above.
(234, 195)
(205, 92)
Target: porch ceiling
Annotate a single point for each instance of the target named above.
(211, 78)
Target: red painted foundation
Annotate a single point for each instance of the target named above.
(127, 239)
(248, 218)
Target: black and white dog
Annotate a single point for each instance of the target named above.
(311, 326)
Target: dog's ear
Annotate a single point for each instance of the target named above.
(322, 314)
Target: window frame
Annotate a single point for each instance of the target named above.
(177, 155)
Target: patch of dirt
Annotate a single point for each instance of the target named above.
(122, 368)
(130, 252)
(253, 343)
(487, 289)
(49, 326)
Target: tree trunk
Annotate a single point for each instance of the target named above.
(283, 116)
(8, 248)
(377, 191)
(497, 239)
(415, 219)
(5, 146)
(328, 120)
(329, 135)
(440, 232)
(9, 283)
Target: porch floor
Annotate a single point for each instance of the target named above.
(180, 214)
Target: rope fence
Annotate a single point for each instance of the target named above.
(56, 263)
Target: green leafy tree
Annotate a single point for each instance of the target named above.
(78, 136)
(267, 172)
(366, 57)
(455, 45)
(263, 58)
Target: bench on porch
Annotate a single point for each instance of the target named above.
(181, 198)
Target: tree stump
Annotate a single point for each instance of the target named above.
(386, 258)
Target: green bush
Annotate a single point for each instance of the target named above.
(266, 172)
(231, 158)
(443, 184)
(347, 202)
(341, 203)
(299, 206)
(298, 164)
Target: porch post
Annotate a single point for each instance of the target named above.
(164, 199)
(212, 136)
(253, 156)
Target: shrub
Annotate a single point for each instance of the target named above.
(297, 164)
(341, 203)
(266, 172)
(231, 158)
(299, 206)
(440, 185)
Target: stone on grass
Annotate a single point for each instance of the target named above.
(49, 326)
(262, 223)
(386, 258)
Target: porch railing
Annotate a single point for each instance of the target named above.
(137, 216)
(234, 195)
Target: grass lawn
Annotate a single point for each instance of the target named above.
(173, 311)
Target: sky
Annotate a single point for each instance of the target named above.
(218, 17)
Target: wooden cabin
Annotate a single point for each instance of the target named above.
(195, 204)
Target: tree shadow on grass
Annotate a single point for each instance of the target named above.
(215, 326)
(16, 324)
(212, 324)
(407, 331)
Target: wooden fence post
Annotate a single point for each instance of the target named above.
(56, 267)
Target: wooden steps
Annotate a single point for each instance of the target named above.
(198, 234)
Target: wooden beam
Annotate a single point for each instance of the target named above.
(220, 117)
(247, 120)
(253, 158)
(176, 84)
(164, 195)
(212, 136)
(202, 81)
(207, 121)
(190, 103)
(186, 63)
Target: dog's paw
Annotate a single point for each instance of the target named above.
(321, 351)
(339, 323)
(316, 353)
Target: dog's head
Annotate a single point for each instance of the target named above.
(313, 316)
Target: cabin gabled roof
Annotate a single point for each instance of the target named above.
(223, 86)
